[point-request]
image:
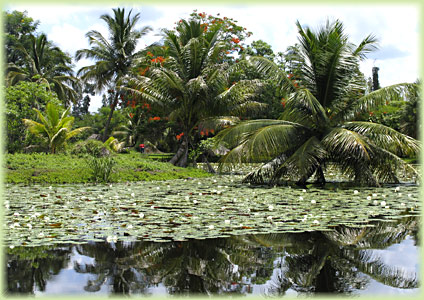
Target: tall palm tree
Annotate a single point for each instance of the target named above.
(54, 128)
(114, 57)
(192, 82)
(317, 126)
(45, 63)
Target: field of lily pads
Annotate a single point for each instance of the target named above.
(184, 209)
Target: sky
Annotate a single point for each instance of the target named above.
(396, 26)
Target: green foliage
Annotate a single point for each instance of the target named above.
(17, 26)
(54, 128)
(114, 56)
(91, 147)
(61, 168)
(114, 145)
(20, 100)
(317, 127)
(196, 89)
(101, 168)
(42, 62)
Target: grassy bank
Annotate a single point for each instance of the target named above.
(59, 168)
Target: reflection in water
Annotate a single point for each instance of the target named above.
(344, 260)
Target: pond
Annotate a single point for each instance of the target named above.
(211, 235)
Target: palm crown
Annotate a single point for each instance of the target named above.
(317, 126)
(191, 82)
(48, 64)
(114, 57)
(56, 129)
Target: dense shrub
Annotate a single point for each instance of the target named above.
(92, 147)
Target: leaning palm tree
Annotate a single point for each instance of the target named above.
(45, 63)
(54, 128)
(318, 124)
(191, 82)
(114, 57)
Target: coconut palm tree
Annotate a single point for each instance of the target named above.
(114, 57)
(45, 63)
(318, 124)
(55, 129)
(191, 82)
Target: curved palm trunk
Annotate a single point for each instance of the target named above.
(364, 176)
(112, 109)
(180, 157)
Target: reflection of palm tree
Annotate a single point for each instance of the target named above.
(30, 267)
(331, 261)
(111, 266)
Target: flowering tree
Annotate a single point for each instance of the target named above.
(188, 76)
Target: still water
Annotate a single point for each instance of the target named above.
(381, 259)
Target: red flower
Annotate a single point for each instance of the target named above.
(212, 131)
(371, 113)
(180, 135)
(290, 75)
(150, 54)
(131, 115)
(236, 40)
(156, 118)
(202, 133)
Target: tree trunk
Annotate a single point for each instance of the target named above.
(302, 181)
(112, 109)
(320, 178)
(210, 168)
(180, 157)
(364, 176)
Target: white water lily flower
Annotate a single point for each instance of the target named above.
(211, 227)
(29, 226)
(11, 246)
(383, 203)
(300, 198)
(200, 194)
(46, 219)
(16, 214)
(271, 207)
(410, 195)
(158, 188)
(313, 201)
(387, 206)
(269, 218)
(397, 189)
(316, 222)
(375, 202)
(129, 226)
(368, 198)
(304, 190)
(168, 186)
(223, 207)
(400, 194)
(110, 185)
(133, 195)
(141, 215)
(248, 210)
(355, 192)
(41, 234)
(110, 239)
(195, 201)
(374, 195)
(235, 199)
(199, 183)
(187, 197)
(152, 207)
(402, 204)
(227, 221)
(214, 180)
(50, 187)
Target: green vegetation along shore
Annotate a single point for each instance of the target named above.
(47, 168)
